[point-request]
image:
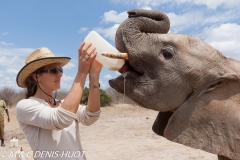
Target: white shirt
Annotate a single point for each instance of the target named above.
(53, 133)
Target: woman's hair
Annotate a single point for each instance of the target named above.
(31, 84)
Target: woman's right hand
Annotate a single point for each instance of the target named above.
(84, 51)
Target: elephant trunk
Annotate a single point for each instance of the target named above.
(139, 24)
(160, 19)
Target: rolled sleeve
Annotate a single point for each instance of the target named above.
(86, 117)
(64, 118)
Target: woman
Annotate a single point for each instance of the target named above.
(51, 127)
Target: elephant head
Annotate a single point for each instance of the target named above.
(194, 87)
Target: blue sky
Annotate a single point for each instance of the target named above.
(60, 25)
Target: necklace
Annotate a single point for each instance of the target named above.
(49, 101)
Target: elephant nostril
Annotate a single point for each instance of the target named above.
(132, 14)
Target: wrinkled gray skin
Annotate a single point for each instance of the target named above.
(193, 86)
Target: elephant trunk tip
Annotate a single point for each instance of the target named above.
(155, 15)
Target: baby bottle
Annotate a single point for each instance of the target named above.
(12, 142)
(20, 155)
(103, 46)
(16, 142)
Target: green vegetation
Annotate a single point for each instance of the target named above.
(104, 97)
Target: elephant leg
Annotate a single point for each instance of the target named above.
(220, 157)
(161, 122)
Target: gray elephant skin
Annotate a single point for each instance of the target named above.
(195, 88)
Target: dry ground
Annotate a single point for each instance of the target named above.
(123, 132)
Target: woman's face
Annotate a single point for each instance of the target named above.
(50, 77)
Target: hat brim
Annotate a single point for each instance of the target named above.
(36, 64)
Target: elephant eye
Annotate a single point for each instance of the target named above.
(166, 53)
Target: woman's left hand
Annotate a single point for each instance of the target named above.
(95, 67)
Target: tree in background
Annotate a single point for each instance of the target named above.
(105, 99)
(108, 96)
(10, 96)
(60, 94)
(85, 93)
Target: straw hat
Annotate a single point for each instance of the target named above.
(37, 59)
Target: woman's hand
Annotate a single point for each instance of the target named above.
(95, 68)
(86, 55)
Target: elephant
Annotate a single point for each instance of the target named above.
(194, 87)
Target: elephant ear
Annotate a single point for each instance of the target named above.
(210, 121)
(161, 122)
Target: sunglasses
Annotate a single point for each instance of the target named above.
(54, 70)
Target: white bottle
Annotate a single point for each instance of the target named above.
(103, 46)
(12, 141)
(20, 155)
(16, 142)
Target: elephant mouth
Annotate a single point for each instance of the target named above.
(129, 78)
(127, 68)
